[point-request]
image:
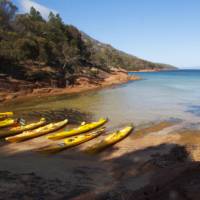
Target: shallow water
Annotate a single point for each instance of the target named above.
(159, 96)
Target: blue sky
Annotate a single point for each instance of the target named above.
(157, 30)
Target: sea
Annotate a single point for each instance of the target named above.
(158, 96)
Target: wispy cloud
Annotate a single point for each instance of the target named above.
(27, 4)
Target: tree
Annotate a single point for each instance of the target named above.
(71, 57)
(56, 29)
(7, 13)
(45, 50)
(55, 20)
(27, 49)
(35, 15)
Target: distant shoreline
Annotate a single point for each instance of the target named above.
(146, 70)
(153, 70)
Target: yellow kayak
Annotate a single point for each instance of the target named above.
(81, 129)
(37, 132)
(6, 122)
(109, 140)
(71, 142)
(19, 129)
(6, 114)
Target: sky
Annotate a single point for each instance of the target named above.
(165, 31)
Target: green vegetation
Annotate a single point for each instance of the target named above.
(108, 56)
(28, 42)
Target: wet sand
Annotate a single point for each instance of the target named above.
(152, 163)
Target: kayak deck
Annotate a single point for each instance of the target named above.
(81, 129)
(37, 132)
(19, 129)
(6, 122)
(109, 140)
(74, 137)
(71, 142)
(6, 114)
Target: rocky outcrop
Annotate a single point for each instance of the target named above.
(86, 79)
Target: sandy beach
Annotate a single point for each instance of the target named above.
(145, 165)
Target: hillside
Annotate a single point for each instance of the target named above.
(113, 57)
(37, 53)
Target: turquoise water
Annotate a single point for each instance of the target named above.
(158, 96)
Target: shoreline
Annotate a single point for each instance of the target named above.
(113, 79)
(146, 70)
(153, 70)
